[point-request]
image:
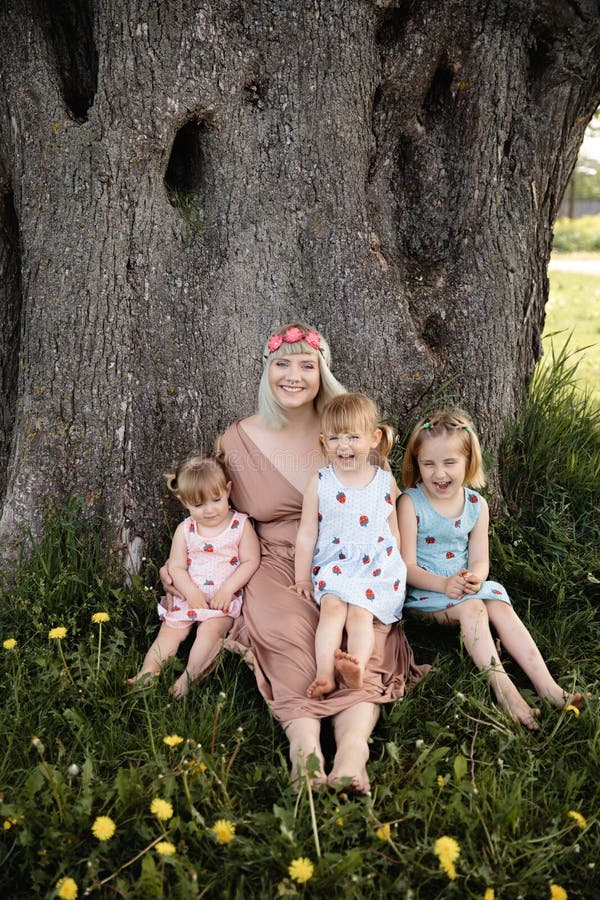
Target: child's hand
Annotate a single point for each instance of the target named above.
(304, 589)
(197, 599)
(472, 583)
(222, 599)
(455, 585)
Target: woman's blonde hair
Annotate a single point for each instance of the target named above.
(353, 412)
(198, 478)
(438, 423)
(269, 410)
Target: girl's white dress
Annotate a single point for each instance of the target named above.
(211, 560)
(357, 557)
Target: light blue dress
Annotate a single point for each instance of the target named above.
(443, 548)
(357, 557)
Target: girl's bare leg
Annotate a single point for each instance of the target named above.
(517, 641)
(350, 667)
(166, 644)
(304, 735)
(473, 619)
(328, 638)
(204, 649)
(353, 728)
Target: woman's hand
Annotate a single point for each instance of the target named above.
(455, 586)
(304, 589)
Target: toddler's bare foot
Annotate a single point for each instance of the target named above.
(182, 686)
(320, 687)
(348, 669)
(519, 710)
(142, 680)
(561, 699)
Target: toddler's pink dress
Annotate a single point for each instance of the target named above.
(211, 560)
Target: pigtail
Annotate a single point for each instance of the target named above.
(171, 480)
(385, 445)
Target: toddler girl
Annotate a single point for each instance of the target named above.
(214, 553)
(357, 571)
(444, 533)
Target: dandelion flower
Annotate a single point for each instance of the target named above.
(165, 848)
(162, 809)
(66, 889)
(99, 617)
(489, 894)
(56, 634)
(171, 740)
(575, 711)
(301, 869)
(383, 832)
(557, 892)
(577, 817)
(224, 830)
(9, 644)
(8, 823)
(440, 781)
(103, 828)
(447, 851)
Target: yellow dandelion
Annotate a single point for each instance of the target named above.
(162, 809)
(66, 889)
(301, 869)
(172, 740)
(99, 617)
(339, 821)
(224, 830)
(557, 892)
(383, 832)
(489, 894)
(447, 851)
(56, 634)
(165, 848)
(575, 711)
(8, 823)
(577, 817)
(9, 644)
(103, 828)
(440, 781)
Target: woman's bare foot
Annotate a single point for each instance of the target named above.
(142, 680)
(348, 669)
(182, 686)
(319, 688)
(350, 784)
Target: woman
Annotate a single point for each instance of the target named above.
(271, 457)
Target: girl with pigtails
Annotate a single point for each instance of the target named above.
(347, 555)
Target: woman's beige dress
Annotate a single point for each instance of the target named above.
(277, 629)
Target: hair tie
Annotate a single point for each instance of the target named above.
(466, 427)
(426, 425)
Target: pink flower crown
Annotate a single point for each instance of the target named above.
(292, 336)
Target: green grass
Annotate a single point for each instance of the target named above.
(445, 761)
(573, 316)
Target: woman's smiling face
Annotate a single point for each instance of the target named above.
(295, 379)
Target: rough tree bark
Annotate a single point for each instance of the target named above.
(178, 177)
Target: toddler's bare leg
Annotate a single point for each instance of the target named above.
(350, 667)
(517, 641)
(328, 638)
(166, 644)
(473, 619)
(204, 650)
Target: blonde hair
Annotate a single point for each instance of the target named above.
(268, 408)
(438, 423)
(198, 478)
(353, 412)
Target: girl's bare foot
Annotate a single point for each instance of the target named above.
(348, 669)
(561, 699)
(182, 686)
(320, 687)
(518, 709)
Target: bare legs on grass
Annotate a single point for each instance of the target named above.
(204, 649)
(165, 645)
(335, 665)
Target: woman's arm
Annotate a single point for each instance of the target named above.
(249, 556)
(178, 570)
(453, 586)
(479, 558)
(307, 538)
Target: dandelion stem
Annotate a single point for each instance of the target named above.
(130, 862)
(150, 734)
(99, 648)
(62, 656)
(313, 818)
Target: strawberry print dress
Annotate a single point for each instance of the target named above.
(443, 548)
(357, 557)
(211, 560)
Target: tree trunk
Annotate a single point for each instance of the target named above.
(177, 178)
